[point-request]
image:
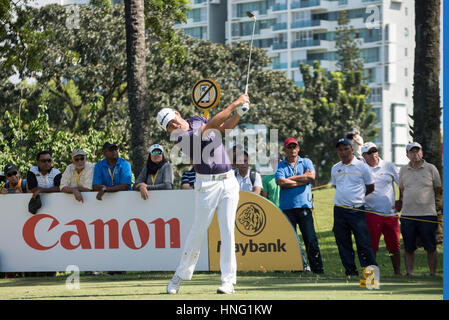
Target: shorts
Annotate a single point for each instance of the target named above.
(389, 227)
(426, 231)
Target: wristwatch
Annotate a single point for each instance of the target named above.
(104, 188)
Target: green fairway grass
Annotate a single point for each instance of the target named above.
(282, 285)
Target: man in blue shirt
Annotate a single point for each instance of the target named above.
(294, 175)
(111, 174)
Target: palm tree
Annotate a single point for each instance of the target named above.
(137, 82)
(426, 95)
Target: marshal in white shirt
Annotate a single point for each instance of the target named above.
(350, 182)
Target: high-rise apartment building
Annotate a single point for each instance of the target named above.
(206, 20)
(295, 31)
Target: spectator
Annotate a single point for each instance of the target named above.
(383, 200)
(294, 176)
(188, 179)
(111, 174)
(419, 185)
(157, 174)
(248, 179)
(2, 177)
(356, 142)
(14, 183)
(270, 189)
(43, 178)
(353, 181)
(78, 175)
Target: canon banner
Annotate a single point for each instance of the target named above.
(120, 233)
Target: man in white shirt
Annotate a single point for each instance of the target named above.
(353, 181)
(78, 175)
(384, 219)
(248, 180)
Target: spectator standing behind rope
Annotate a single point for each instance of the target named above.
(419, 185)
(78, 175)
(383, 200)
(294, 175)
(353, 181)
(156, 175)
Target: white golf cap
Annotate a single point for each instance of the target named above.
(164, 116)
(413, 145)
(367, 146)
(156, 146)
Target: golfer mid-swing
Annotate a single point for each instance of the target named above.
(216, 187)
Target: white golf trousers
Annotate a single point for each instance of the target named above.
(220, 195)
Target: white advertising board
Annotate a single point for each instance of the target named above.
(122, 232)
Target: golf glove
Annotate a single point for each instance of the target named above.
(243, 109)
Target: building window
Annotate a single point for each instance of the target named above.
(406, 52)
(406, 72)
(406, 33)
(375, 95)
(406, 11)
(406, 92)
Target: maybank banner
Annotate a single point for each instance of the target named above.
(264, 238)
(124, 232)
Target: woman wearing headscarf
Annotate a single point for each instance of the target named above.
(156, 175)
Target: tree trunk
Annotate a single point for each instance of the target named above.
(426, 95)
(137, 83)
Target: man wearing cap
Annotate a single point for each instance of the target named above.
(156, 175)
(419, 185)
(216, 188)
(383, 219)
(78, 175)
(111, 174)
(353, 181)
(14, 183)
(295, 175)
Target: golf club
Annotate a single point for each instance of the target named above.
(249, 14)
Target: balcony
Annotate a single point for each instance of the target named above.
(279, 65)
(280, 46)
(305, 43)
(304, 4)
(305, 24)
(279, 26)
(280, 6)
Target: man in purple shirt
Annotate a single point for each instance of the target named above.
(216, 188)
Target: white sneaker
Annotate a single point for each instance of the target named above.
(174, 284)
(226, 288)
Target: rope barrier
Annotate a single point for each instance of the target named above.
(383, 214)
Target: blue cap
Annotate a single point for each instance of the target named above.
(344, 141)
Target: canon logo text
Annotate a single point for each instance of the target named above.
(82, 240)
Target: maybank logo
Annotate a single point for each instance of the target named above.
(250, 219)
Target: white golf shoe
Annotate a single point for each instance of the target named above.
(226, 288)
(174, 284)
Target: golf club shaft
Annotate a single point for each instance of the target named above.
(250, 51)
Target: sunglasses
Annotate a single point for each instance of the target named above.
(373, 150)
(46, 160)
(291, 146)
(78, 159)
(11, 174)
(154, 153)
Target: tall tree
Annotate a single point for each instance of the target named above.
(426, 117)
(348, 48)
(136, 78)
